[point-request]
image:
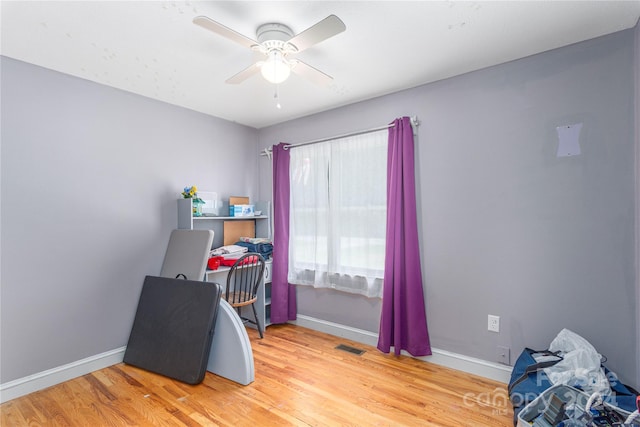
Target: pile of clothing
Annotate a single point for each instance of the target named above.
(259, 245)
(228, 251)
(225, 255)
(229, 254)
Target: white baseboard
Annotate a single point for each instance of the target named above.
(353, 334)
(22, 386)
(446, 358)
(471, 365)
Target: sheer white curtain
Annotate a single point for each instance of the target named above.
(338, 214)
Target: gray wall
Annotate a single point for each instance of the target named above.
(506, 227)
(90, 178)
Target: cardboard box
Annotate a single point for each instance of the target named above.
(234, 229)
(236, 200)
(241, 210)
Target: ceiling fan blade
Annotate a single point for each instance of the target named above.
(328, 27)
(307, 71)
(244, 74)
(227, 32)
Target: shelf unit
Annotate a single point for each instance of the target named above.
(186, 221)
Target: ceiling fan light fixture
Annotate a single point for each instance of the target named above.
(275, 69)
(277, 42)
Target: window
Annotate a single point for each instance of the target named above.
(338, 214)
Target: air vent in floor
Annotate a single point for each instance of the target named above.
(350, 349)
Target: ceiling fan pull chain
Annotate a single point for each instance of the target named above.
(278, 106)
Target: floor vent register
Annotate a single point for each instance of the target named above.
(350, 349)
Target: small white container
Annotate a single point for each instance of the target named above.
(211, 205)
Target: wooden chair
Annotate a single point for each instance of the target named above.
(243, 281)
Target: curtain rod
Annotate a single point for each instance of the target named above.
(414, 124)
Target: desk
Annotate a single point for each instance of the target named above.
(263, 305)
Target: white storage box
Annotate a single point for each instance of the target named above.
(567, 394)
(241, 210)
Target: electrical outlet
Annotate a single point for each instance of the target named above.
(503, 355)
(494, 323)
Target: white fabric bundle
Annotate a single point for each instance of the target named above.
(580, 366)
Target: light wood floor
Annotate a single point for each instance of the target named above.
(300, 380)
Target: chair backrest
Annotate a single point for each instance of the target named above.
(244, 279)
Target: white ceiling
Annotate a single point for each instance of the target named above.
(152, 48)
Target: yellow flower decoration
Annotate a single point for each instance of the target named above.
(191, 193)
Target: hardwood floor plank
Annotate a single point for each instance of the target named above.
(16, 414)
(301, 380)
(50, 410)
(149, 406)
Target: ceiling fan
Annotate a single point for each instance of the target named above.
(278, 43)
